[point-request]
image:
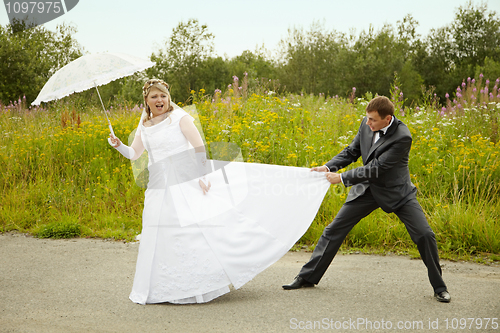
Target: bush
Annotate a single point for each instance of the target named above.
(60, 230)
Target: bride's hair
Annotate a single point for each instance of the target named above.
(160, 85)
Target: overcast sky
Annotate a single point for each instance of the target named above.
(140, 27)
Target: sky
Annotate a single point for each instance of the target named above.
(141, 27)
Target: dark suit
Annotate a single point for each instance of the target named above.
(383, 181)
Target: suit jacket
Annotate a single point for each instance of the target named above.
(385, 166)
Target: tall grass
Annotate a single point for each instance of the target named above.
(58, 169)
(57, 166)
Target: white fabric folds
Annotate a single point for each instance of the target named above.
(193, 246)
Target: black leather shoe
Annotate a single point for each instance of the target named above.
(443, 296)
(297, 284)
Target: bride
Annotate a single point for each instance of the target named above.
(209, 224)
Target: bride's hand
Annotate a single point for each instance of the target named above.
(204, 187)
(114, 141)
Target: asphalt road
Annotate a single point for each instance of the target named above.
(82, 285)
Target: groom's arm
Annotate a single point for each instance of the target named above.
(348, 155)
(380, 165)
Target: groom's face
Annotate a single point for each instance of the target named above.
(375, 122)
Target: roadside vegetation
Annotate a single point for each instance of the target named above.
(298, 106)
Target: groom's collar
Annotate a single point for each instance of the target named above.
(392, 126)
(384, 130)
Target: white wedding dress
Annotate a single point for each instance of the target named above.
(194, 246)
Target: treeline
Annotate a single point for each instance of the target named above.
(311, 61)
(28, 57)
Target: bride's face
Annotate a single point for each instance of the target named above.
(158, 102)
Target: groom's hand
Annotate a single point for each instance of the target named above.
(333, 177)
(322, 168)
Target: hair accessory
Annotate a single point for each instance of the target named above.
(151, 83)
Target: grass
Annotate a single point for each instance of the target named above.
(60, 178)
(54, 170)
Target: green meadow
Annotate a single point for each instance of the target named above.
(60, 178)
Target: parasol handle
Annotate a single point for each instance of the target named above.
(111, 130)
(104, 109)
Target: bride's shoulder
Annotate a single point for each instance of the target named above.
(178, 113)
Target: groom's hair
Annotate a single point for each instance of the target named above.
(382, 105)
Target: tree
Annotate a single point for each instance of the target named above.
(454, 52)
(408, 38)
(378, 56)
(490, 70)
(318, 61)
(178, 63)
(476, 35)
(433, 61)
(29, 56)
(254, 64)
(411, 82)
(308, 60)
(410, 44)
(214, 73)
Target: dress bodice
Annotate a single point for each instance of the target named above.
(165, 138)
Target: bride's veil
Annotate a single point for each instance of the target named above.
(221, 153)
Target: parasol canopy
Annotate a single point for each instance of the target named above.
(90, 71)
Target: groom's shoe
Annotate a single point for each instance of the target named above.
(298, 283)
(443, 296)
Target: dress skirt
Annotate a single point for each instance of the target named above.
(194, 246)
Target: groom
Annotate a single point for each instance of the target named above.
(383, 142)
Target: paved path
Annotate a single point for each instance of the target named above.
(82, 285)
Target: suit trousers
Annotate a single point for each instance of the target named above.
(411, 214)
